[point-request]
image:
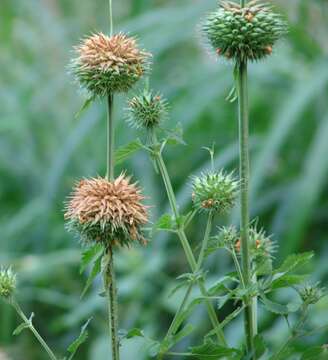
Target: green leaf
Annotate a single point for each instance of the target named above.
(210, 351)
(128, 150)
(175, 136)
(80, 340)
(134, 333)
(96, 268)
(277, 308)
(186, 331)
(84, 107)
(20, 328)
(260, 346)
(315, 353)
(89, 254)
(288, 280)
(164, 223)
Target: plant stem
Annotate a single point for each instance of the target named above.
(109, 273)
(250, 321)
(111, 17)
(186, 246)
(175, 323)
(32, 328)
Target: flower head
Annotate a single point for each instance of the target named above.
(108, 212)
(311, 294)
(228, 236)
(147, 110)
(7, 282)
(244, 33)
(214, 191)
(109, 64)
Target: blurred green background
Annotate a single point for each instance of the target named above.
(43, 149)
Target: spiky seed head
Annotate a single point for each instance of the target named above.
(228, 236)
(311, 293)
(147, 110)
(244, 33)
(262, 246)
(112, 213)
(7, 282)
(214, 191)
(105, 65)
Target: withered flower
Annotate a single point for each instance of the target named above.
(108, 212)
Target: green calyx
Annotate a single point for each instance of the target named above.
(311, 294)
(214, 191)
(147, 110)
(247, 33)
(7, 283)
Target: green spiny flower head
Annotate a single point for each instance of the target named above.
(262, 246)
(228, 236)
(7, 282)
(311, 294)
(244, 33)
(147, 110)
(107, 65)
(214, 191)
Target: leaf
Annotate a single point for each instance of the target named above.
(93, 273)
(128, 150)
(288, 280)
(315, 353)
(164, 223)
(84, 107)
(277, 308)
(20, 328)
(187, 330)
(89, 254)
(292, 263)
(134, 333)
(80, 340)
(260, 346)
(175, 136)
(210, 351)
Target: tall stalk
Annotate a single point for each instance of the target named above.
(250, 318)
(186, 246)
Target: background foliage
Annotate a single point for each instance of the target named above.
(43, 148)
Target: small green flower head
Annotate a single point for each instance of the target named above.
(107, 65)
(228, 236)
(311, 294)
(214, 191)
(147, 110)
(7, 283)
(262, 245)
(244, 33)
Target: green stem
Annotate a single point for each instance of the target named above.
(250, 321)
(186, 246)
(32, 328)
(109, 275)
(111, 17)
(175, 323)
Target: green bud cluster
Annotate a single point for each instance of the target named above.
(214, 191)
(7, 283)
(244, 33)
(311, 294)
(262, 245)
(228, 236)
(147, 110)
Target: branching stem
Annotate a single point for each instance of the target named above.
(32, 328)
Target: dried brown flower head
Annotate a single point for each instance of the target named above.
(109, 64)
(109, 212)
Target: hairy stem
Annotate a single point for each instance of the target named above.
(250, 321)
(109, 273)
(32, 328)
(186, 246)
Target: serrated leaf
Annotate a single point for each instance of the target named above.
(20, 328)
(210, 351)
(288, 280)
(96, 269)
(277, 308)
(128, 150)
(292, 263)
(89, 254)
(80, 340)
(84, 107)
